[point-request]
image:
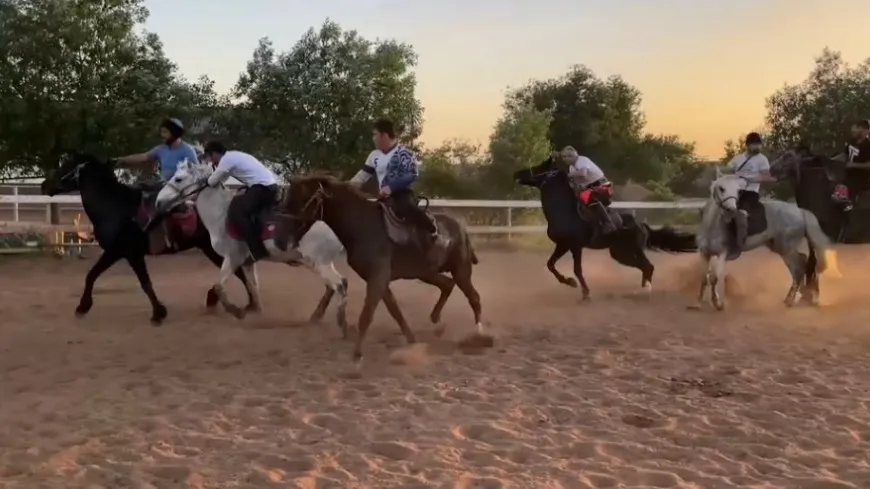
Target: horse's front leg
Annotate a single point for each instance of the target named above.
(558, 253)
(106, 260)
(394, 310)
(717, 281)
(705, 281)
(376, 286)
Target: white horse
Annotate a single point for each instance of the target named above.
(788, 227)
(317, 250)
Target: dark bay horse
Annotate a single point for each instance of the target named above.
(362, 228)
(112, 207)
(570, 231)
(812, 178)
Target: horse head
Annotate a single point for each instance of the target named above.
(725, 191)
(303, 203)
(185, 183)
(536, 176)
(71, 168)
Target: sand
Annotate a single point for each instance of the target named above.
(616, 393)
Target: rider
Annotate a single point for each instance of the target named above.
(167, 156)
(589, 179)
(857, 157)
(753, 167)
(261, 193)
(395, 168)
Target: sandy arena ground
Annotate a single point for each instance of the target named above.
(619, 392)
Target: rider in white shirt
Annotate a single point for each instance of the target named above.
(754, 167)
(593, 188)
(261, 193)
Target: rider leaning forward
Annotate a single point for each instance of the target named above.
(753, 167)
(395, 168)
(594, 189)
(261, 191)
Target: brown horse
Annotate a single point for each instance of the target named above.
(376, 254)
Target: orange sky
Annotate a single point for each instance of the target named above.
(705, 68)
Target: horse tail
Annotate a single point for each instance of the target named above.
(471, 254)
(826, 260)
(669, 240)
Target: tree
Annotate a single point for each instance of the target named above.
(520, 140)
(315, 104)
(819, 110)
(451, 171)
(75, 76)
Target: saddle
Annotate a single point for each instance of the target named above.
(401, 232)
(756, 221)
(265, 221)
(166, 231)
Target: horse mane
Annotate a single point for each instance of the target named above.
(329, 181)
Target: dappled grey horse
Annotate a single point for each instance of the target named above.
(786, 229)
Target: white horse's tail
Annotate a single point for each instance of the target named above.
(825, 255)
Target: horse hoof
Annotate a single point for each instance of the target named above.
(159, 315)
(720, 306)
(83, 308)
(439, 330)
(571, 282)
(236, 312)
(253, 308)
(435, 318)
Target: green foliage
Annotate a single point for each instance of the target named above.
(74, 75)
(519, 140)
(820, 110)
(314, 104)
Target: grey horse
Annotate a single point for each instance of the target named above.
(787, 228)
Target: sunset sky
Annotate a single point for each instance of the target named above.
(705, 68)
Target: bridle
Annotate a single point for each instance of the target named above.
(315, 203)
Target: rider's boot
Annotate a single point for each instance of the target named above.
(741, 223)
(605, 224)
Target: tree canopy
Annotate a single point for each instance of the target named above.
(83, 75)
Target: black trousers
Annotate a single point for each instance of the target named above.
(747, 199)
(405, 205)
(244, 210)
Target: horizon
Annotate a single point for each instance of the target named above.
(704, 70)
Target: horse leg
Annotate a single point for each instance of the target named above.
(462, 278)
(811, 293)
(796, 264)
(335, 283)
(577, 254)
(558, 253)
(396, 312)
(445, 285)
(227, 268)
(137, 263)
(631, 255)
(106, 260)
(211, 298)
(375, 288)
(717, 281)
(252, 286)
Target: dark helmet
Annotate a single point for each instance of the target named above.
(174, 126)
(753, 138)
(214, 147)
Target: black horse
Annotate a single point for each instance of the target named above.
(118, 213)
(571, 230)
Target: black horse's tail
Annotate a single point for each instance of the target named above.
(669, 240)
(471, 253)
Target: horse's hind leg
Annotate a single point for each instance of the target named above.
(462, 278)
(797, 265)
(335, 283)
(558, 253)
(577, 254)
(631, 255)
(137, 263)
(106, 260)
(810, 294)
(227, 268)
(445, 285)
(252, 286)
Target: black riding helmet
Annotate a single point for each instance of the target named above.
(174, 126)
(753, 138)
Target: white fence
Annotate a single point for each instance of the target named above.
(17, 200)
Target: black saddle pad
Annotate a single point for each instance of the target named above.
(757, 222)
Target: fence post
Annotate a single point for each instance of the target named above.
(15, 206)
(510, 223)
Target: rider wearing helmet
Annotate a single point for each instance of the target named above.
(261, 193)
(754, 167)
(594, 189)
(168, 155)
